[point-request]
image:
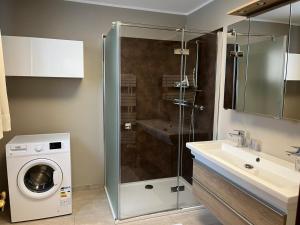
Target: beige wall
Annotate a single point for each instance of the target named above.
(42, 105)
(276, 135)
(214, 15)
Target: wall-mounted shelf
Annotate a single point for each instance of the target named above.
(41, 57)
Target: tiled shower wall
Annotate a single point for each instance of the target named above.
(149, 68)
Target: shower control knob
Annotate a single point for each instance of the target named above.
(38, 148)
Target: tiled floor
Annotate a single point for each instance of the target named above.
(90, 207)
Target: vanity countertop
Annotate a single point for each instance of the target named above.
(269, 178)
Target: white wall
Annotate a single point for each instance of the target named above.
(276, 135)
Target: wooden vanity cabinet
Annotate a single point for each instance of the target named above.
(229, 203)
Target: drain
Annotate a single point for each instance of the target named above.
(149, 186)
(249, 166)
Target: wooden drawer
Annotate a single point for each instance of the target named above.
(224, 213)
(246, 205)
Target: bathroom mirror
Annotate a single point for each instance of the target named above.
(262, 71)
(291, 108)
(266, 67)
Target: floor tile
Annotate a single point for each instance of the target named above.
(197, 217)
(90, 207)
(92, 219)
(62, 220)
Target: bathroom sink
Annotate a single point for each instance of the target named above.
(268, 178)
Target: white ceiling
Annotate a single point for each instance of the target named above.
(180, 7)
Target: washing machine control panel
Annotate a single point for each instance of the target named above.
(37, 148)
(55, 145)
(16, 148)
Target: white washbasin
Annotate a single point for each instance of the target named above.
(271, 179)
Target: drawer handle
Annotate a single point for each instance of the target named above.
(221, 201)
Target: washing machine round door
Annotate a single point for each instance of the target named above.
(40, 178)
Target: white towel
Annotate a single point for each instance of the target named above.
(4, 109)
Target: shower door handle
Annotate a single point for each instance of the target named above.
(128, 126)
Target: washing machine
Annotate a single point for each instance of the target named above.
(39, 176)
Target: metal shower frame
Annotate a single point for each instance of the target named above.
(183, 31)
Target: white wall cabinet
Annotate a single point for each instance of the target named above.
(41, 57)
(293, 67)
(16, 52)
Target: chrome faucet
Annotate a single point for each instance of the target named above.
(241, 138)
(297, 157)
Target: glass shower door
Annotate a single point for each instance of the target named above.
(197, 104)
(111, 66)
(150, 93)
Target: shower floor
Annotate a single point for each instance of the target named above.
(136, 200)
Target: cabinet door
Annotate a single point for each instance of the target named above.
(17, 59)
(291, 108)
(265, 75)
(56, 58)
(293, 66)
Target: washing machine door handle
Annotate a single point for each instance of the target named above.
(56, 178)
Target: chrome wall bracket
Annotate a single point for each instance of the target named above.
(177, 188)
(179, 51)
(237, 54)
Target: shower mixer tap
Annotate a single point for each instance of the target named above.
(184, 83)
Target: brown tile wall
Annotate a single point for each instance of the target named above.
(148, 60)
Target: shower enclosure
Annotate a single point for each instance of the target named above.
(159, 93)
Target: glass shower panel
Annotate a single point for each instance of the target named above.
(198, 101)
(150, 79)
(159, 94)
(111, 115)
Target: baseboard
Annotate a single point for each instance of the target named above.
(88, 187)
